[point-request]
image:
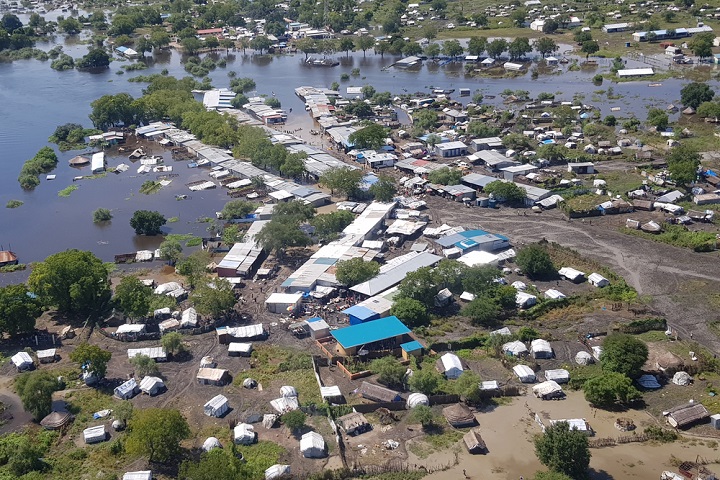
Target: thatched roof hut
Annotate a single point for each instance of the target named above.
(56, 420)
(686, 415)
(474, 442)
(376, 393)
(78, 161)
(459, 415)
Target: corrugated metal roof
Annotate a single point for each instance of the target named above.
(369, 332)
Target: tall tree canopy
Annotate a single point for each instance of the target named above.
(156, 433)
(624, 354)
(18, 310)
(564, 450)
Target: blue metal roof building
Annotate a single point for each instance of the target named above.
(387, 333)
(475, 240)
(359, 314)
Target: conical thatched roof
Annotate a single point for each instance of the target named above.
(56, 420)
(459, 415)
(79, 160)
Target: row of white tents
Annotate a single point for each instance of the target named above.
(149, 385)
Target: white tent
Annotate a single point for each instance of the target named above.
(216, 406)
(597, 352)
(525, 300)
(559, 375)
(244, 434)
(94, 434)
(682, 378)
(22, 361)
(554, 294)
(598, 280)
(331, 393)
(46, 356)
(240, 349)
(312, 445)
(127, 390)
(169, 325)
(547, 390)
(416, 399)
(524, 373)
(451, 365)
(489, 385)
(167, 288)
(211, 443)
(584, 358)
(285, 404)
(152, 385)
(501, 331)
(130, 328)
(518, 285)
(571, 274)
(276, 471)
(139, 475)
(515, 348)
(288, 391)
(189, 318)
(541, 348)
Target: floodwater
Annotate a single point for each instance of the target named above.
(34, 99)
(508, 432)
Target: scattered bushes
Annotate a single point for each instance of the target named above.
(102, 215)
(13, 204)
(44, 161)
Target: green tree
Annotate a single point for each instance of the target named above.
(623, 354)
(589, 47)
(93, 357)
(214, 299)
(535, 262)
(467, 386)
(345, 180)
(74, 281)
(95, 58)
(231, 234)
(419, 285)
(272, 102)
(260, 43)
(389, 370)
(172, 343)
(347, 45)
(70, 25)
(610, 389)
(693, 94)
(423, 415)
(701, 44)
(102, 215)
(445, 176)
(551, 476)
(294, 420)
(145, 222)
(683, 162)
(550, 26)
(293, 212)
(581, 37)
(425, 381)
(545, 46)
(519, 47)
(214, 465)
(483, 310)
(238, 209)
(658, 119)
(448, 274)
(425, 119)
(452, 48)
(307, 45)
(564, 450)
(506, 191)
(156, 433)
(496, 48)
(356, 270)
(477, 45)
(144, 365)
(432, 50)
(21, 454)
(111, 110)
(278, 236)
(293, 167)
(35, 390)
(411, 312)
(364, 43)
(123, 412)
(191, 45)
(384, 189)
(328, 225)
(18, 310)
(133, 296)
(479, 280)
(481, 129)
(194, 267)
(372, 137)
(709, 110)
(171, 250)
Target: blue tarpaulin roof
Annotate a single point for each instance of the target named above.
(411, 346)
(360, 312)
(364, 333)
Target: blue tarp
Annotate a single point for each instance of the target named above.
(370, 332)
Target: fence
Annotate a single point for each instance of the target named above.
(611, 442)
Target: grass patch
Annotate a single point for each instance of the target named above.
(65, 192)
(440, 439)
(678, 236)
(14, 204)
(84, 403)
(259, 457)
(12, 268)
(621, 182)
(149, 187)
(173, 219)
(194, 242)
(188, 239)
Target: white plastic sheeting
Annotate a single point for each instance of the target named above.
(416, 399)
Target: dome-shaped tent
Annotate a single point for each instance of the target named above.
(211, 443)
(416, 399)
(584, 358)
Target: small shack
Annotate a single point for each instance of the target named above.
(376, 393)
(548, 390)
(450, 365)
(524, 373)
(277, 471)
(244, 434)
(319, 328)
(411, 349)
(283, 302)
(138, 475)
(312, 445)
(56, 420)
(686, 415)
(354, 423)
(332, 394)
(541, 349)
(459, 416)
(597, 280)
(236, 349)
(189, 318)
(216, 406)
(95, 434)
(152, 385)
(213, 376)
(47, 356)
(127, 390)
(559, 375)
(474, 441)
(22, 361)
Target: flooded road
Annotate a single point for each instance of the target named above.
(34, 99)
